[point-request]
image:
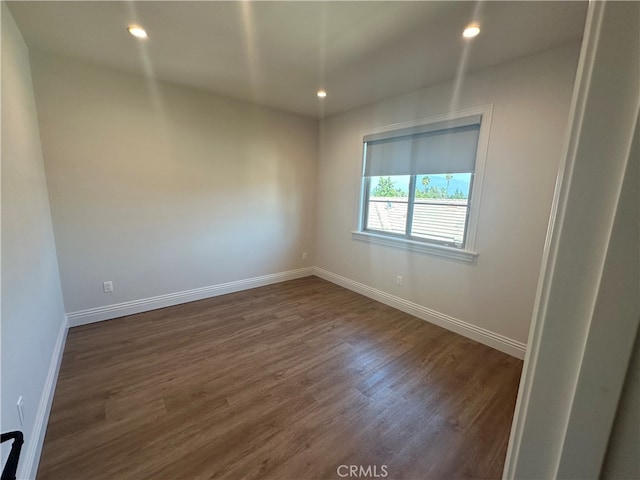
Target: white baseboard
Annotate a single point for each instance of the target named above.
(486, 337)
(30, 458)
(108, 312)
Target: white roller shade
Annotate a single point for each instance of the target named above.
(444, 147)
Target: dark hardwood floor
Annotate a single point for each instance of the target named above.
(287, 381)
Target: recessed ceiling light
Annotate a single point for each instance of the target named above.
(321, 94)
(137, 31)
(471, 31)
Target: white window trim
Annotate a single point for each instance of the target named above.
(469, 253)
(416, 246)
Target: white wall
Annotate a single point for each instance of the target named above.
(621, 461)
(530, 100)
(163, 189)
(33, 323)
(586, 312)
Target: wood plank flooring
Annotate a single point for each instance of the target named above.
(287, 381)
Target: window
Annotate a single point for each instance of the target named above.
(431, 208)
(419, 184)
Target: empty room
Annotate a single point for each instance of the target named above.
(320, 240)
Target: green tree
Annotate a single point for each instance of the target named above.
(439, 192)
(386, 188)
(448, 177)
(430, 192)
(458, 195)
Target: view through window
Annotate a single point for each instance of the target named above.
(432, 207)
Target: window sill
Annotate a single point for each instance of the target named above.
(420, 247)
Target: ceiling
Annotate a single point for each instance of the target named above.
(279, 53)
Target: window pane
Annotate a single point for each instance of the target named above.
(441, 207)
(387, 216)
(387, 206)
(441, 222)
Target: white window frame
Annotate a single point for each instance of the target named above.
(469, 252)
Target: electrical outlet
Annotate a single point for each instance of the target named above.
(107, 287)
(398, 280)
(20, 405)
(304, 255)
